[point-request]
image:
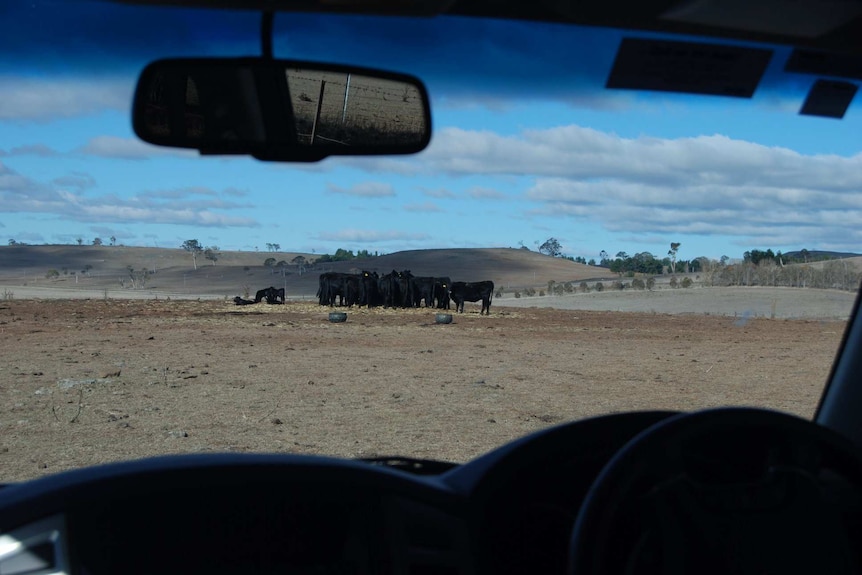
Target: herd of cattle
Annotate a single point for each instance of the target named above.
(396, 289)
(270, 294)
(401, 289)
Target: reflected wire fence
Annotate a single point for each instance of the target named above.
(345, 109)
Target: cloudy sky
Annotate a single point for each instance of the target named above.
(527, 145)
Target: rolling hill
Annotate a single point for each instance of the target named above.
(171, 271)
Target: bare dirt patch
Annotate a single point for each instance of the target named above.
(90, 381)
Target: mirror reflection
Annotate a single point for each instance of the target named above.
(344, 109)
(215, 106)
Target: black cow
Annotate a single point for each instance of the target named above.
(340, 286)
(270, 294)
(472, 291)
(369, 292)
(331, 286)
(405, 288)
(441, 292)
(395, 289)
(261, 294)
(422, 290)
(277, 295)
(239, 301)
(386, 288)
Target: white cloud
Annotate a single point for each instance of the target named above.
(364, 190)
(425, 207)
(370, 236)
(482, 193)
(40, 150)
(584, 153)
(709, 185)
(193, 206)
(36, 99)
(440, 193)
(128, 149)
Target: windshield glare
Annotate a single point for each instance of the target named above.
(647, 250)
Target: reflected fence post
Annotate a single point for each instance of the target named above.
(317, 114)
(346, 92)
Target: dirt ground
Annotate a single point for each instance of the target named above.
(89, 381)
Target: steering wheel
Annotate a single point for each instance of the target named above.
(731, 490)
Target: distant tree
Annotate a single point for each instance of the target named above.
(551, 247)
(12, 242)
(604, 258)
(804, 253)
(52, 274)
(211, 253)
(86, 270)
(592, 262)
(674, 247)
(80, 241)
(723, 260)
(269, 262)
(300, 263)
(113, 240)
(97, 241)
(138, 278)
(194, 248)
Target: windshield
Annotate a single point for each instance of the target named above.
(647, 250)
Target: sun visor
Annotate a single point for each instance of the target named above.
(688, 67)
(829, 99)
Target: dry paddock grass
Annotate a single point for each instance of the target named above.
(86, 382)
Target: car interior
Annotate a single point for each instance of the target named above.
(719, 490)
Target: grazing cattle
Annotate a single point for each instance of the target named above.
(441, 292)
(369, 293)
(340, 286)
(277, 294)
(270, 294)
(472, 291)
(395, 289)
(261, 294)
(405, 288)
(422, 290)
(239, 301)
(386, 288)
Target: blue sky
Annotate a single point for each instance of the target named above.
(527, 146)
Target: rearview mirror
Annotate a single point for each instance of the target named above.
(280, 110)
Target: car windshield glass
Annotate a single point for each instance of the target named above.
(613, 249)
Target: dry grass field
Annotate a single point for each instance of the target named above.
(91, 381)
(93, 372)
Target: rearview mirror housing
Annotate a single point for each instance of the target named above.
(280, 110)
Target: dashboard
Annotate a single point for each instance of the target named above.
(532, 506)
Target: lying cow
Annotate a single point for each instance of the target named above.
(239, 301)
(472, 291)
